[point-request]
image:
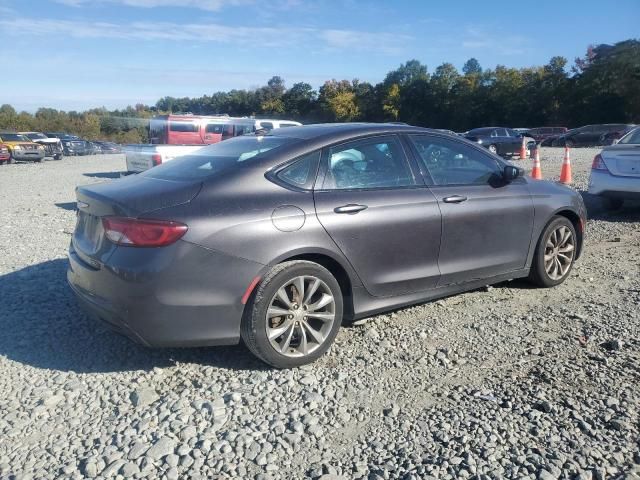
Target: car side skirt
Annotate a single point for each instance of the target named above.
(366, 305)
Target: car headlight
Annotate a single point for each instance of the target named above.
(40, 147)
(17, 147)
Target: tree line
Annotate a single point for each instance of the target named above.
(603, 86)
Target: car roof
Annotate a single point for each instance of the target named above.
(484, 129)
(337, 131)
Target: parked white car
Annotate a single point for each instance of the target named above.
(269, 124)
(615, 172)
(143, 157)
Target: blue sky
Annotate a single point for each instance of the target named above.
(76, 54)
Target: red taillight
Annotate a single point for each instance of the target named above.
(156, 159)
(598, 163)
(133, 232)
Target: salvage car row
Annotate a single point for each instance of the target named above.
(36, 146)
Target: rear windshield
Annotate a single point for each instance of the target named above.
(219, 157)
(633, 137)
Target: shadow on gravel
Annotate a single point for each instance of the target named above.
(629, 213)
(103, 175)
(66, 205)
(42, 326)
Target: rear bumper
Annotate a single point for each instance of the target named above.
(607, 185)
(177, 296)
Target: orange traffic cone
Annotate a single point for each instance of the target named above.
(536, 173)
(565, 173)
(523, 150)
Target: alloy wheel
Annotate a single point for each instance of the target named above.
(300, 316)
(558, 253)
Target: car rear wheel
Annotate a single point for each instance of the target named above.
(294, 316)
(493, 149)
(569, 143)
(555, 253)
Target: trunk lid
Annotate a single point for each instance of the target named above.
(622, 160)
(127, 197)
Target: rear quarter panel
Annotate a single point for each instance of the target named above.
(247, 216)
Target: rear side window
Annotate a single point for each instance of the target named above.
(213, 159)
(185, 127)
(377, 162)
(302, 172)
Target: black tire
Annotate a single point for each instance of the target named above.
(254, 323)
(569, 143)
(493, 149)
(612, 203)
(11, 159)
(538, 274)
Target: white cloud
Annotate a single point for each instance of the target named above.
(209, 5)
(253, 37)
(495, 42)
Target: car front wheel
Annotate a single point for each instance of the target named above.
(294, 316)
(555, 253)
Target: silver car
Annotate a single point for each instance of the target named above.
(615, 172)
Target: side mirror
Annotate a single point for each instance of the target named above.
(510, 173)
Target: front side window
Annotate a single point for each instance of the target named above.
(454, 163)
(214, 128)
(376, 162)
(267, 125)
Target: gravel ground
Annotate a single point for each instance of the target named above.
(503, 382)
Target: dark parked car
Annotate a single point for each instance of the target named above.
(613, 136)
(74, 147)
(276, 239)
(499, 140)
(108, 147)
(542, 134)
(592, 135)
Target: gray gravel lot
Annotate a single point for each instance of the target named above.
(502, 382)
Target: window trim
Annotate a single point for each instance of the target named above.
(427, 174)
(324, 165)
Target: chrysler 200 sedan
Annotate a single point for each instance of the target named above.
(277, 239)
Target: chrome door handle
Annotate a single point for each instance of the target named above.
(454, 199)
(351, 208)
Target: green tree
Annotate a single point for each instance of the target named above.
(392, 102)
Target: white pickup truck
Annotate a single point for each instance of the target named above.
(142, 157)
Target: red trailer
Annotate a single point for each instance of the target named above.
(196, 129)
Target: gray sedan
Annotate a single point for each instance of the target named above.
(615, 173)
(277, 239)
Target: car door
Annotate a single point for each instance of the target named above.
(515, 141)
(486, 223)
(584, 135)
(504, 142)
(380, 215)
